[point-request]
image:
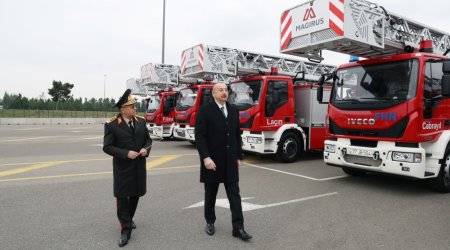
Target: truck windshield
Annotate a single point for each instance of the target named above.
(186, 99)
(392, 82)
(153, 103)
(245, 94)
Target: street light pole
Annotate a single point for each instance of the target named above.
(104, 87)
(164, 29)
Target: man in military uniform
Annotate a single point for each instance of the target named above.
(128, 141)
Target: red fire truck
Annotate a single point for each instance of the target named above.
(160, 81)
(194, 96)
(390, 112)
(279, 113)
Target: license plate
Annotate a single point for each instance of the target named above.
(360, 152)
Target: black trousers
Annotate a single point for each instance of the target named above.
(234, 198)
(126, 207)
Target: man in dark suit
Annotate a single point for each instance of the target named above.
(128, 141)
(218, 140)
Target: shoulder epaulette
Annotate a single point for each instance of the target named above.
(138, 116)
(112, 119)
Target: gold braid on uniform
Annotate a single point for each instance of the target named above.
(138, 116)
(112, 119)
(116, 117)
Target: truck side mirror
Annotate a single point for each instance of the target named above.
(321, 80)
(446, 78)
(446, 67)
(320, 93)
(446, 85)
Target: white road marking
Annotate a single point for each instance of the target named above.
(247, 206)
(298, 175)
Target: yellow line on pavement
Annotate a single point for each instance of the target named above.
(101, 159)
(86, 174)
(26, 169)
(24, 129)
(179, 167)
(26, 139)
(68, 161)
(54, 176)
(153, 163)
(90, 138)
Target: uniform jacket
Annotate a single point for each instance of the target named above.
(219, 138)
(130, 176)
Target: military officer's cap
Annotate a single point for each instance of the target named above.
(125, 100)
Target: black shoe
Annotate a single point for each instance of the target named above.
(133, 226)
(210, 229)
(241, 234)
(123, 239)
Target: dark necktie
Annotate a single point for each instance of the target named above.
(223, 112)
(131, 125)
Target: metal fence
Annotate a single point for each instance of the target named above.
(33, 113)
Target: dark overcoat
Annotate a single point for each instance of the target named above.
(219, 138)
(130, 176)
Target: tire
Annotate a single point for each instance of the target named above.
(442, 181)
(353, 172)
(289, 147)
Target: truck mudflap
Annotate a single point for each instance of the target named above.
(384, 157)
(186, 133)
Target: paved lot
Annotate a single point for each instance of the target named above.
(56, 193)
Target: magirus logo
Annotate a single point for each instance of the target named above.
(309, 14)
(309, 20)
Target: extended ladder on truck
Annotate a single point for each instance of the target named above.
(355, 27)
(136, 87)
(161, 81)
(212, 61)
(279, 113)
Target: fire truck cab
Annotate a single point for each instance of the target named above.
(279, 113)
(390, 112)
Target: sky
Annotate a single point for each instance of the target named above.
(98, 44)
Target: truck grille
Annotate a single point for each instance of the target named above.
(361, 160)
(395, 131)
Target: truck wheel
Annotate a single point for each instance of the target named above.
(442, 181)
(289, 147)
(353, 172)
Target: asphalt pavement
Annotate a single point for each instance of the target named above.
(56, 193)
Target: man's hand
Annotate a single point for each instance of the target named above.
(133, 154)
(143, 152)
(209, 164)
(239, 163)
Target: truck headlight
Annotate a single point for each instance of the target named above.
(407, 157)
(330, 148)
(256, 140)
(190, 131)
